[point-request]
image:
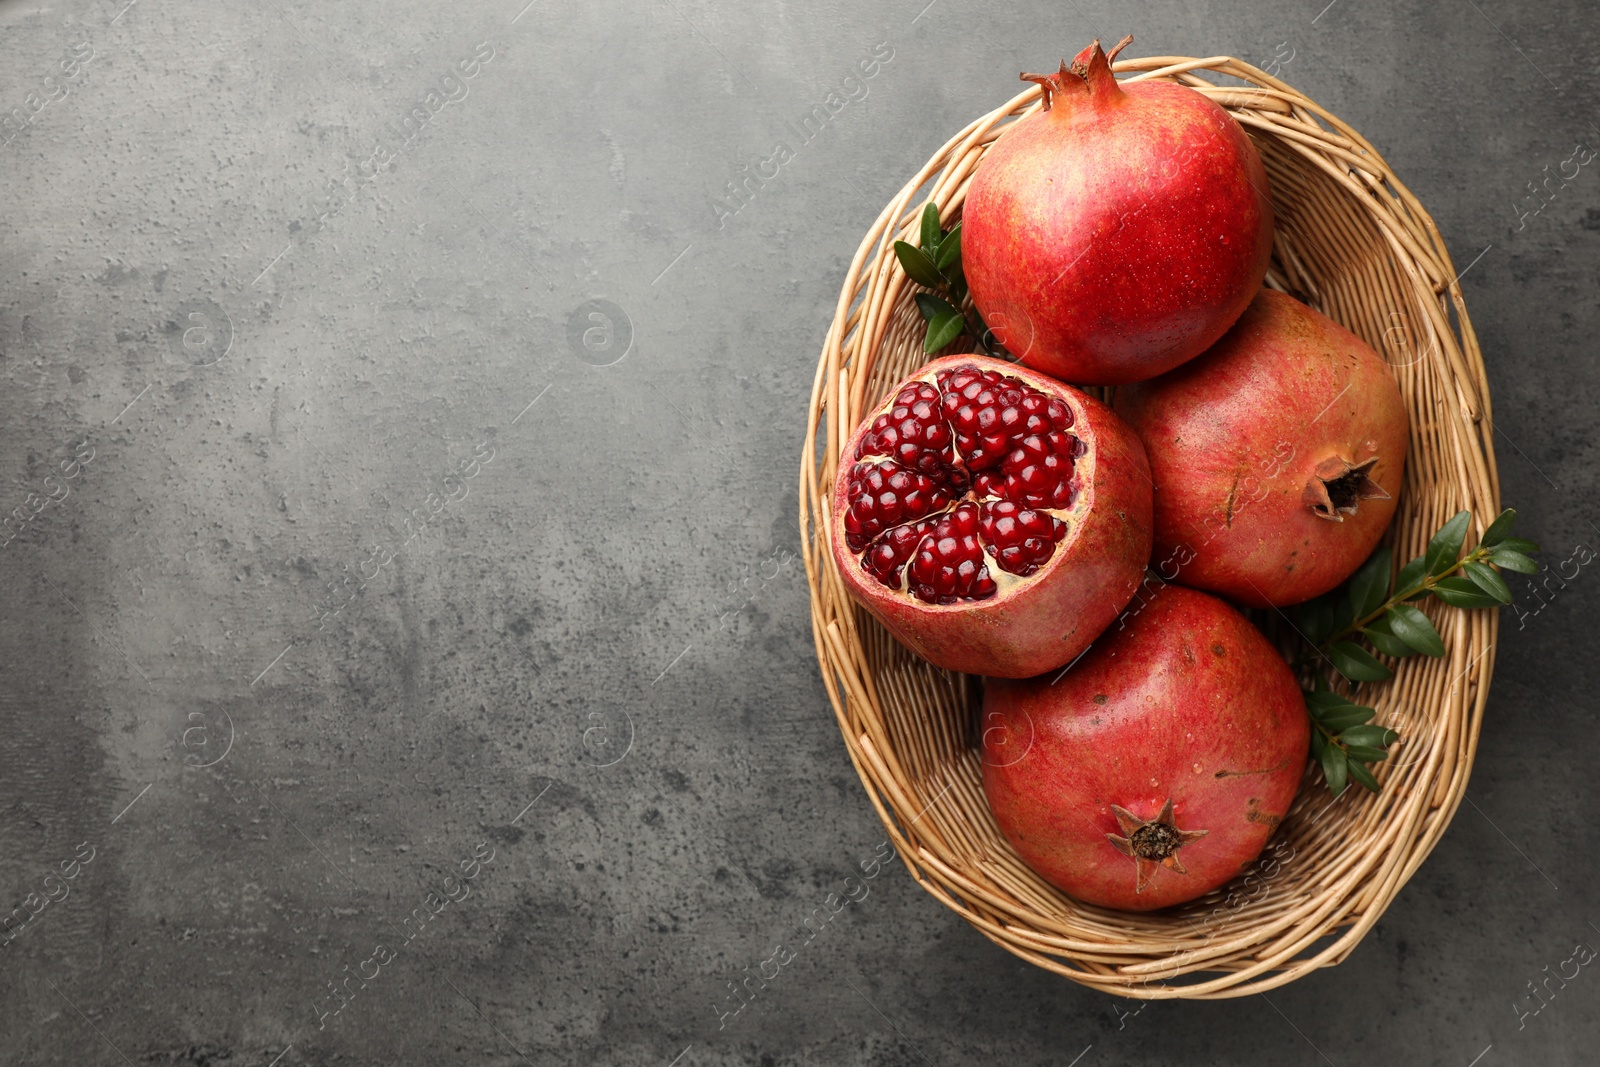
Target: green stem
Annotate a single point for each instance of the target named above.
(967, 317)
(1477, 555)
(977, 334)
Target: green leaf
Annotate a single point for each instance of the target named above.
(1323, 616)
(950, 249)
(1319, 700)
(1445, 546)
(1370, 586)
(1410, 625)
(1384, 640)
(931, 233)
(944, 328)
(918, 265)
(1364, 776)
(1356, 663)
(1512, 560)
(932, 306)
(1489, 580)
(1461, 593)
(1334, 768)
(958, 281)
(1371, 736)
(1365, 753)
(1499, 529)
(1317, 745)
(1346, 717)
(1410, 575)
(1520, 544)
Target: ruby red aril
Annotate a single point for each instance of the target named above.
(1156, 767)
(1117, 232)
(994, 519)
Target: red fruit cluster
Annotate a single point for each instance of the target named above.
(957, 473)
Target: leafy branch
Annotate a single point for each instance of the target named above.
(1383, 612)
(1344, 741)
(935, 263)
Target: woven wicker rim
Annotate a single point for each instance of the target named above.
(1354, 242)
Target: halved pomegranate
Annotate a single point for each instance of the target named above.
(994, 519)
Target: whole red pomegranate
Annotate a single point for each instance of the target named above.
(995, 520)
(1277, 456)
(1156, 767)
(1118, 232)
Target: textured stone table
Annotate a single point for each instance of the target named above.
(405, 658)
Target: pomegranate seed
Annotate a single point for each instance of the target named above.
(888, 556)
(1021, 539)
(949, 562)
(912, 433)
(884, 494)
(956, 473)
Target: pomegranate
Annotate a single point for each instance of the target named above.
(1118, 232)
(1277, 456)
(995, 520)
(1155, 768)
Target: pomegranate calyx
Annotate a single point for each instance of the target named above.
(1337, 488)
(1053, 83)
(1089, 75)
(1151, 842)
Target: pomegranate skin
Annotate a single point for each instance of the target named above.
(1042, 621)
(1184, 701)
(1236, 439)
(1118, 233)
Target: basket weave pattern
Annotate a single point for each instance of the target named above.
(1353, 242)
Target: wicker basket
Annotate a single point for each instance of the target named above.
(1354, 242)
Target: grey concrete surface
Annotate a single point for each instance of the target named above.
(424, 507)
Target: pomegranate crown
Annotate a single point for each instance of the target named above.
(1089, 74)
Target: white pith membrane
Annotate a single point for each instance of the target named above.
(1028, 499)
